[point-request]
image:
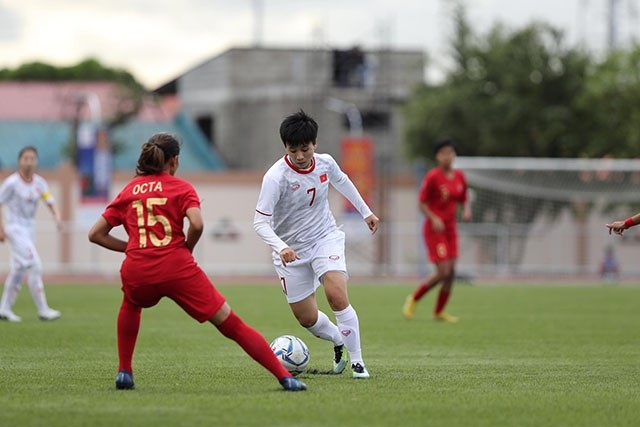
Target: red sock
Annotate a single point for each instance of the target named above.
(128, 327)
(443, 297)
(422, 289)
(253, 344)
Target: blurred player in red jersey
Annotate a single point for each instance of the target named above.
(159, 261)
(442, 189)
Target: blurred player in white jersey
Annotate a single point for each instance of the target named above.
(293, 217)
(20, 194)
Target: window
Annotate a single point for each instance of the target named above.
(206, 125)
(348, 68)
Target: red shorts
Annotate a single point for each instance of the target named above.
(196, 295)
(441, 246)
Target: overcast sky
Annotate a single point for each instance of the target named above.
(157, 40)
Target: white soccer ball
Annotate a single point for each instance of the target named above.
(292, 352)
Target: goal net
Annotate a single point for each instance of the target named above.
(535, 217)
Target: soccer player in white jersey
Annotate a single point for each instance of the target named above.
(293, 217)
(20, 194)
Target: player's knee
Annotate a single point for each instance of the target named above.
(307, 321)
(337, 302)
(16, 275)
(306, 317)
(221, 315)
(34, 273)
(442, 274)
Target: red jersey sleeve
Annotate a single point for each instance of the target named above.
(465, 193)
(425, 187)
(191, 199)
(112, 213)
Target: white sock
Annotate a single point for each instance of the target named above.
(34, 279)
(350, 329)
(12, 286)
(325, 329)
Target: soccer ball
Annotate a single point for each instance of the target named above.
(292, 352)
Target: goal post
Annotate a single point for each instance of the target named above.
(535, 217)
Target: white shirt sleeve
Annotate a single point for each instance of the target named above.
(269, 195)
(344, 185)
(6, 190)
(45, 193)
(262, 226)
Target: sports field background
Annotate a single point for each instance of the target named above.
(522, 355)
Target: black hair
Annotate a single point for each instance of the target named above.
(156, 152)
(298, 129)
(444, 143)
(27, 148)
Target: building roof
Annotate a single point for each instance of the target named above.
(42, 114)
(171, 86)
(52, 140)
(59, 101)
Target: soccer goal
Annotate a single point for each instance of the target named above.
(536, 217)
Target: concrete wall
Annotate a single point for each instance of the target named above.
(229, 245)
(247, 93)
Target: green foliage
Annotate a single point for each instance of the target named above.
(520, 356)
(524, 93)
(508, 94)
(612, 99)
(87, 70)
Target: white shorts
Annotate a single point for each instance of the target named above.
(301, 278)
(23, 248)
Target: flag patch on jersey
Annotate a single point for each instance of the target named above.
(323, 177)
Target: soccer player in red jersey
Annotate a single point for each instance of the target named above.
(442, 189)
(159, 262)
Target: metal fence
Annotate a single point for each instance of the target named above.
(487, 251)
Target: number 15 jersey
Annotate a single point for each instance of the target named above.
(152, 208)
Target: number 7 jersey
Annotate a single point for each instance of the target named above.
(297, 201)
(152, 208)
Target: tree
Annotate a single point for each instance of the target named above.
(511, 93)
(611, 99)
(86, 70)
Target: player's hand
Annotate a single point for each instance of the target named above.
(436, 224)
(288, 255)
(616, 227)
(466, 214)
(373, 223)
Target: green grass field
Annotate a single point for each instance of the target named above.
(520, 356)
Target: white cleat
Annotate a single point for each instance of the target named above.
(359, 371)
(50, 314)
(10, 316)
